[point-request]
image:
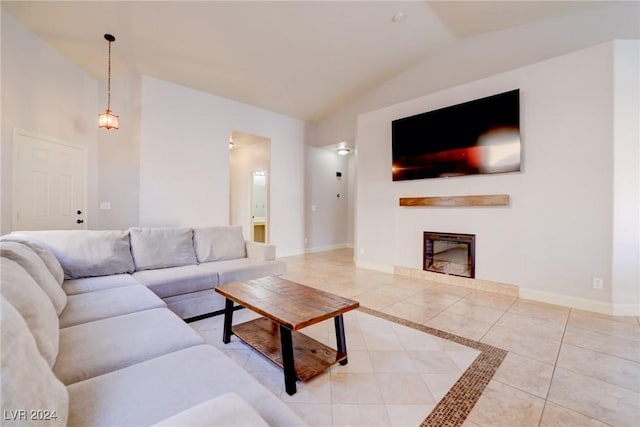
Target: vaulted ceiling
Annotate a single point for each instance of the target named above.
(304, 59)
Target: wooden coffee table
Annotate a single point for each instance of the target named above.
(287, 307)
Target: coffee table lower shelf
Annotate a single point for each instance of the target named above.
(311, 357)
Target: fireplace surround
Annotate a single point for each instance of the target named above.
(449, 253)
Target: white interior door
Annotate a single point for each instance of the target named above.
(48, 184)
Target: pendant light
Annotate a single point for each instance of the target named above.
(108, 120)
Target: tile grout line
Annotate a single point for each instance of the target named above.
(615, 356)
(498, 319)
(453, 409)
(555, 365)
(535, 315)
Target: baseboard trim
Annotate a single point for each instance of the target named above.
(285, 254)
(602, 307)
(373, 266)
(303, 251)
(325, 248)
(465, 282)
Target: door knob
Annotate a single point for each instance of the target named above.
(79, 212)
(79, 221)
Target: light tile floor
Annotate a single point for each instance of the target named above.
(564, 367)
(395, 375)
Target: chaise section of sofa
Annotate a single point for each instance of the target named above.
(228, 410)
(148, 392)
(106, 345)
(110, 355)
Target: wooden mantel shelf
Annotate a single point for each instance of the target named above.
(478, 200)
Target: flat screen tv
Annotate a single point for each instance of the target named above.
(477, 137)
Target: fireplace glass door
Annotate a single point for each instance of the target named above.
(449, 253)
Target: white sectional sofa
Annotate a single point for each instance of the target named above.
(180, 265)
(87, 341)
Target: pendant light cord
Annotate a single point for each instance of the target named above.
(109, 81)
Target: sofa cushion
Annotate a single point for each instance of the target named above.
(228, 410)
(162, 247)
(43, 252)
(37, 269)
(166, 282)
(261, 251)
(27, 380)
(98, 283)
(35, 307)
(219, 243)
(95, 348)
(153, 390)
(88, 253)
(90, 306)
(239, 270)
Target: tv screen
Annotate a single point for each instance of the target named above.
(477, 137)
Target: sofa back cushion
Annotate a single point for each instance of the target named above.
(27, 380)
(35, 307)
(219, 243)
(37, 269)
(88, 253)
(43, 252)
(162, 247)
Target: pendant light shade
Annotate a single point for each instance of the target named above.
(108, 120)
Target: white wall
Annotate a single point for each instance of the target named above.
(44, 93)
(327, 225)
(119, 157)
(184, 161)
(626, 175)
(557, 233)
(484, 55)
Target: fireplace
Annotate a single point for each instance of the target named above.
(449, 253)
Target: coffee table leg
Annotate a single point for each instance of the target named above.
(286, 346)
(340, 339)
(228, 318)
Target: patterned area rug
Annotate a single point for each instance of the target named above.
(449, 407)
(455, 406)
